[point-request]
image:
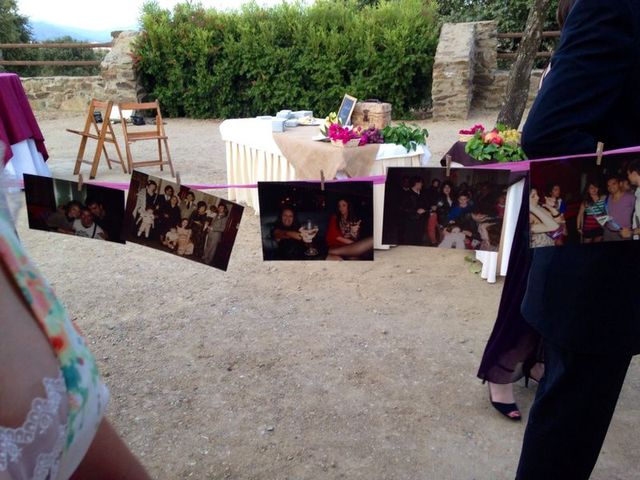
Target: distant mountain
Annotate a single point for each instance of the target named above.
(47, 31)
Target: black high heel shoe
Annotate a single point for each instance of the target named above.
(509, 410)
(526, 371)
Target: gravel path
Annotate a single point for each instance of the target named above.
(299, 370)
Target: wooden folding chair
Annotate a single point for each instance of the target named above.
(136, 135)
(103, 134)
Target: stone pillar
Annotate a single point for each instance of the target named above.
(486, 61)
(453, 71)
(117, 69)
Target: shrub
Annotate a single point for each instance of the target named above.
(205, 63)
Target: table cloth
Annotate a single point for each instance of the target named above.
(25, 150)
(252, 155)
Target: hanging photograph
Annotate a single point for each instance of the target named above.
(181, 221)
(300, 221)
(56, 205)
(577, 201)
(422, 206)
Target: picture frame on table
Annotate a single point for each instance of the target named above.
(346, 109)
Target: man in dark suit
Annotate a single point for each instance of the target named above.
(590, 324)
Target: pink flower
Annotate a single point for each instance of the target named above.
(476, 128)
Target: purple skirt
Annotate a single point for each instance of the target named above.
(513, 342)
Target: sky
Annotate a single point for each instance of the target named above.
(106, 14)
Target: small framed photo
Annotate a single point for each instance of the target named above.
(56, 205)
(181, 221)
(424, 207)
(577, 201)
(346, 109)
(300, 221)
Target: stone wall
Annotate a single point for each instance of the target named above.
(495, 92)
(117, 82)
(453, 71)
(486, 61)
(478, 84)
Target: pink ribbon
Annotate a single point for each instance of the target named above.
(380, 179)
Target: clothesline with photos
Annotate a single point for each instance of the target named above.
(460, 208)
(380, 179)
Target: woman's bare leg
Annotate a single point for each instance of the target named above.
(353, 249)
(109, 457)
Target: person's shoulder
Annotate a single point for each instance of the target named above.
(626, 6)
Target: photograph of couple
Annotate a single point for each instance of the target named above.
(300, 221)
(181, 221)
(56, 205)
(577, 201)
(422, 206)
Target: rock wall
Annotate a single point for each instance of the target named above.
(495, 92)
(71, 94)
(486, 61)
(117, 82)
(453, 71)
(466, 74)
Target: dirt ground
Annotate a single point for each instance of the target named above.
(294, 370)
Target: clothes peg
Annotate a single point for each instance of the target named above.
(177, 181)
(599, 152)
(80, 182)
(322, 180)
(448, 160)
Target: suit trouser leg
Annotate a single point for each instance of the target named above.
(571, 413)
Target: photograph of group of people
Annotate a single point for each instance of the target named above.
(578, 201)
(56, 205)
(301, 221)
(185, 222)
(422, 206)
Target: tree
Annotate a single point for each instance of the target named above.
(14, 28)
(520, 74)
(511, 14)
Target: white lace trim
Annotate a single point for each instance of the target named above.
(41, 419)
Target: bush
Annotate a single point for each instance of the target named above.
(205, 63)
(56, 54)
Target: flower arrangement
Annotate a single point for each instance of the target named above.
(501, 144)
(371, 135)
(344, 136)
(332, 119)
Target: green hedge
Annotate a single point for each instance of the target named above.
(210, 64)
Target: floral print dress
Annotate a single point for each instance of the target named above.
(59, 428)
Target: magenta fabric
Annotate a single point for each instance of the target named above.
(17, 122)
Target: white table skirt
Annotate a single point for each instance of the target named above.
(495, 264)
(252, 155)
(257, 134)
(492, 263)
(26, 159)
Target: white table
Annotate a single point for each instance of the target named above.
(252, 155)
(26, 159)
